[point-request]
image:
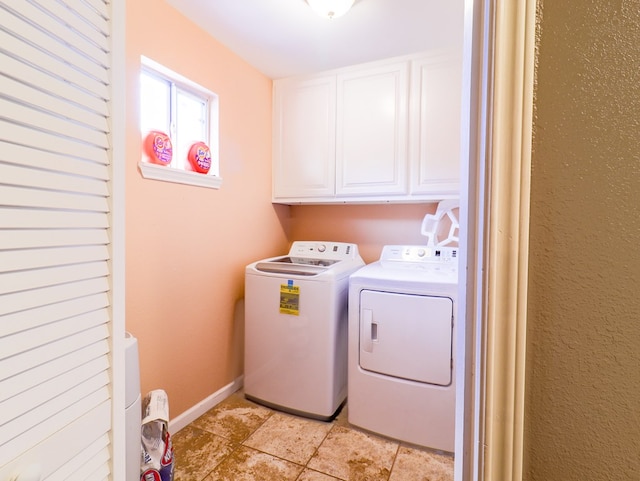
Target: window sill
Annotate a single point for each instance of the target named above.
(167, 174)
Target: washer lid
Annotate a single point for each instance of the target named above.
(309, 261)
(312, 258)
(301, 266)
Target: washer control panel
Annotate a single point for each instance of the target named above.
(324, 250)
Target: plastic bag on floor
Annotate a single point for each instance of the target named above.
(157, 450)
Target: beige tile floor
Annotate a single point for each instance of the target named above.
(239, 440)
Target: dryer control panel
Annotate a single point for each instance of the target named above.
(417, 253)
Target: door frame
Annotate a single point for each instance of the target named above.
(117, 123)
(500, 55)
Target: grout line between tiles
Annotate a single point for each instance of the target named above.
(395, 458)
(306, 466)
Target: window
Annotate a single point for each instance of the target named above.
(187, 113)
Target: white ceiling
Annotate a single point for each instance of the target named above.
(282, 38)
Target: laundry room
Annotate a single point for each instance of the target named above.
(126, 246)
(187, 246)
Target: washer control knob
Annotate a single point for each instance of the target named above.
(322, 248)
(421, 252)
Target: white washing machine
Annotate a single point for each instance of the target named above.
(401, 345)
(296, 318)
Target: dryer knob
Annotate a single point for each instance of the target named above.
(421, 252)
(322, 248)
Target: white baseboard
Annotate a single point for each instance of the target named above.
(193, 413)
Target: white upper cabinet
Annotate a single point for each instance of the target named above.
(305, 138)
(371, 137)
(436, 88)
(386, 131)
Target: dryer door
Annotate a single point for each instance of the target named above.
(406, 336)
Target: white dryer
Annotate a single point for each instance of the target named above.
(401, 345)
(296, 318)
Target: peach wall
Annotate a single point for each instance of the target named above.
(369, 226)
(186, 246)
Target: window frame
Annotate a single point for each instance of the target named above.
(175, 173)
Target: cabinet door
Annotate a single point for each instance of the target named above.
(304, 138)
(435, 125)
(371, 139)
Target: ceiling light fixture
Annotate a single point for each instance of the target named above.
(330, 8)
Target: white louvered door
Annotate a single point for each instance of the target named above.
(55, 296)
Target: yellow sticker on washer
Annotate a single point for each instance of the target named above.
(290, 299)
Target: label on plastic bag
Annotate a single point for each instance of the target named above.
(150, 475)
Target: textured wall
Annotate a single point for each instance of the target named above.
(583, 346)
